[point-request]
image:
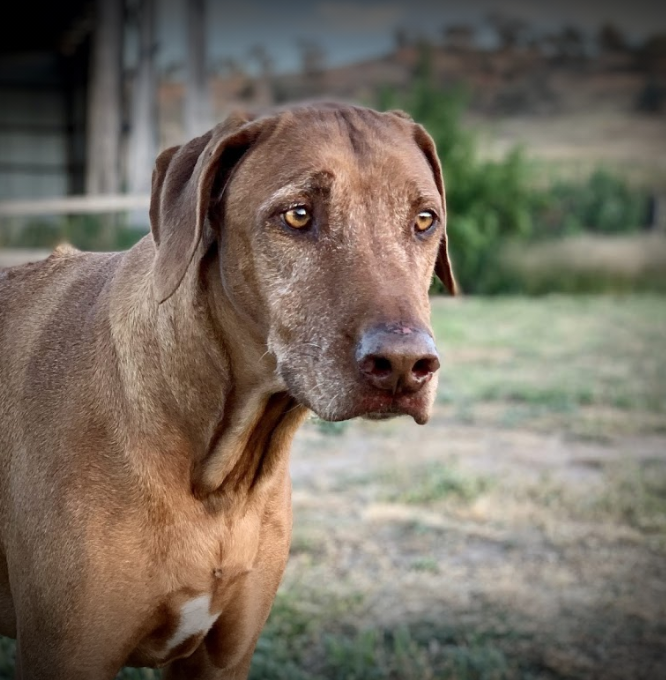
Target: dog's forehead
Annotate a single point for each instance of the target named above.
(345, 128)
(345, 141)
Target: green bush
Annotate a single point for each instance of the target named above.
(487, 201)
(87, 232)
(604, 203)
(494, 204)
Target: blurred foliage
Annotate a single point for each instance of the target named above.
(492, 203)
(604, 203)
(321, 642)
(87, 232)
(487, 201)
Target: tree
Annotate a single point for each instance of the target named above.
(511, 31)
(313, 60)
(611, 39)
(570, 43)
(263, 91)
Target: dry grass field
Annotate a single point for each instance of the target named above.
(520, 534)
(572, 145)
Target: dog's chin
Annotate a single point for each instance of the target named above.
(380, 407)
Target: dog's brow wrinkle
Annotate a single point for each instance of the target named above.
(284, 193)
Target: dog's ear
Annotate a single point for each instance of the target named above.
(184, 180)
(443, 268)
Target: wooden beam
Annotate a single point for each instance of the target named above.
(104, 100)
(73, 205)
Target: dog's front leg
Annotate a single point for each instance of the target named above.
(39, 660)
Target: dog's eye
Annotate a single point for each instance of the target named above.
(297, 218)
(424, 220)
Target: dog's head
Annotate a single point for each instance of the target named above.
(328, 221)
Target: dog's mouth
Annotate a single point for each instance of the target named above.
(383, 406)
(378, 407)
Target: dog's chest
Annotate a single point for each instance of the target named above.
(195, 618)
(178, 625)
(204, 568)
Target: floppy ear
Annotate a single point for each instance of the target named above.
(183, 182)
(443, 268)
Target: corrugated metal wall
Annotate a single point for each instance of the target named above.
(41, 129)
(33, 144)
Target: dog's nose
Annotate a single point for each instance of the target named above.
(397, 358)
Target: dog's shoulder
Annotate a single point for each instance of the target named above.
(68, 276)
(65, 250)
(64, 261)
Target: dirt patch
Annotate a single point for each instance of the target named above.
(582, 589)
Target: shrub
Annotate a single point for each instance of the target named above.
(487, 201)
(604, 203)
(87, 232)
(494, 203)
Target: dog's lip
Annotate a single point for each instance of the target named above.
(373, 404)
(380, 406)
(383, 405)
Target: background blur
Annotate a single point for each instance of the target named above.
(521, 533)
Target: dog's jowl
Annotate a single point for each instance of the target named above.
(148, 399)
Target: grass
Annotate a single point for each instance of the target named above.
(435, 482)
(328, 645)
(558, 356)
(631, 492)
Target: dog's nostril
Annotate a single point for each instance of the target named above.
(425, 367)
(376, 366)
(382, 365)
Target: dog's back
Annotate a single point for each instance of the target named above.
(46, 318)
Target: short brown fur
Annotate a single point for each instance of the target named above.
(148, 399)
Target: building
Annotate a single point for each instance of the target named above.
(44, 54)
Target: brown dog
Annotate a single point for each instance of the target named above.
(148, 399)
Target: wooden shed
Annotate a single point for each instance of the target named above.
(44, 55)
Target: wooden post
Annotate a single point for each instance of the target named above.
(104, 102)
(197, 105)
(142, 147)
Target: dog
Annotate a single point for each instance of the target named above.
(148, 399)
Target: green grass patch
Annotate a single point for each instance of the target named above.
(636, 495)
(630, 493)
(556, 354)
(329, 641)
(331, 429)
(435, 482)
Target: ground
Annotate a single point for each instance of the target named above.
(519, 534)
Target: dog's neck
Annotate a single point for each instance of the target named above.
(197, 372)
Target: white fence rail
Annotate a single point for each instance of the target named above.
(72, 205)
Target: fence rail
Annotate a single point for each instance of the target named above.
(72, 205)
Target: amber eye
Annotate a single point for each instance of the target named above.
(297, 218)
(424, 220)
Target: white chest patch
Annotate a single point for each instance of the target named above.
(195, 619)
